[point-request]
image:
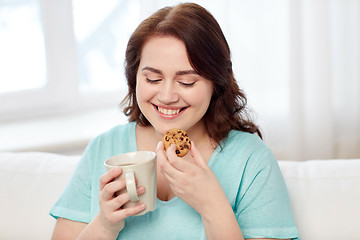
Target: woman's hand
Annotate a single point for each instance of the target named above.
(109, 221)
(111, 214)
(191, 179)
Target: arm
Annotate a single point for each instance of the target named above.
(194, 183)
(109, 221)
(67, 229)
(220, 222)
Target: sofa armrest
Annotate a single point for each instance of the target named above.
(325, 196)
(30, 184)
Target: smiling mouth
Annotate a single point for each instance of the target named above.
(167, 111)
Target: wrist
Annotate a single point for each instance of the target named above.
(212, 212)
(221, 223)
(107, 231)
(215, 206)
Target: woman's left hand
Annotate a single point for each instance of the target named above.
(191, 180)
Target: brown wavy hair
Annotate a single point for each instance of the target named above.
(208, 54)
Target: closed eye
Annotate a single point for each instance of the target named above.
(153, 80)
(187, 84)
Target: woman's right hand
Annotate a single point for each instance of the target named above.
(111, 214)
(108, 222)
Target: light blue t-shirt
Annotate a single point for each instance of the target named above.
(245, 168)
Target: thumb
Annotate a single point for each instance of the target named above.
(198, 159)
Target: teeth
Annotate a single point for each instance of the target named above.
(168, 111)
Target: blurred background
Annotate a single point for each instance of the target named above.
(298, 61)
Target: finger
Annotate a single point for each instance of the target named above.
(163, 162)
(179, 163)
(160, 155)
(123, 198)
(160, 146)
(198, 159)
(162, 158)
(119, 214)
(116, 203)
(171, 154)
(130, 211)
(111, 188)
(109, 176)
(160, 151)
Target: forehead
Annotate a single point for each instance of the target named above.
(165, 51)
(160, 41)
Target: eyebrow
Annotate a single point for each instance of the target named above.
(178, 73)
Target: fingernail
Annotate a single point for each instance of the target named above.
(158, 145)
(141, 189)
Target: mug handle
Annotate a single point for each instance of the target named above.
(131, 185)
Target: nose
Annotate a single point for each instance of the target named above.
(168, 93)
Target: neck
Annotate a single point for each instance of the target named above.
(197, 133)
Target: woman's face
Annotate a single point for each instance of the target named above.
(169, 92)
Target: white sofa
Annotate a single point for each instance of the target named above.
(325, 195)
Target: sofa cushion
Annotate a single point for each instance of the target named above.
(30, 184)
(325, 196)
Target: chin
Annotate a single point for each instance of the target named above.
(163, 128)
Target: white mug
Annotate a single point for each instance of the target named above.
(142, 166)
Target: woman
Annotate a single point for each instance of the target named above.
(180, 75)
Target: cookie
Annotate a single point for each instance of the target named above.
(178, 137)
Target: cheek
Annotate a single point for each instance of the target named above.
(201, 100)
(142, 93)
(203, 96)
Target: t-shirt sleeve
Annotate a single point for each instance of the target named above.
(263, 207)
(75, 202)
